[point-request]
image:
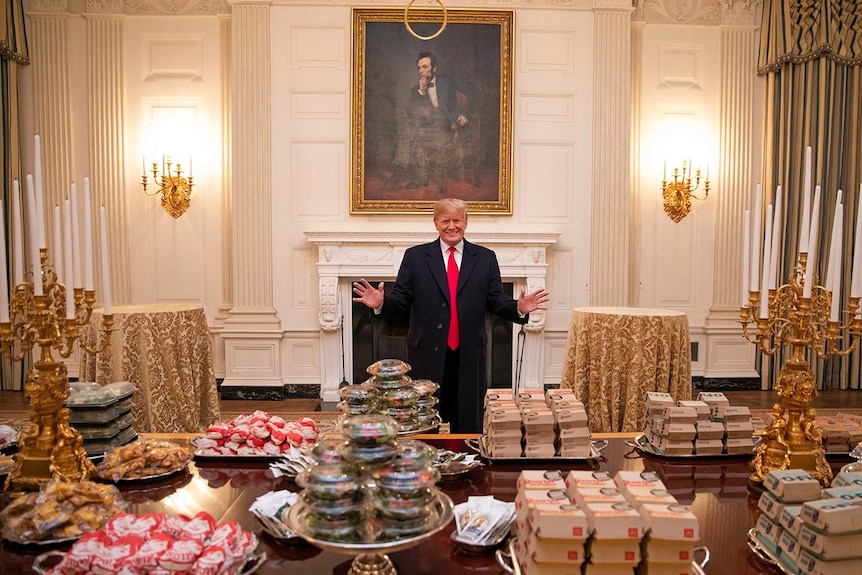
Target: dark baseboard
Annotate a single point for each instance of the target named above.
(725, 384)
(275, 393)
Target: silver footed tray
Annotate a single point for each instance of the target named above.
(643, 446)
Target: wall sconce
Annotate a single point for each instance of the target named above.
(175, 188)
(677, 193)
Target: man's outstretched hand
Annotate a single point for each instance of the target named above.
(528, 302)
(368, 294)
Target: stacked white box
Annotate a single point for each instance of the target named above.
(502, 424)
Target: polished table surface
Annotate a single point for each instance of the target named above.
(614, 355)
(165, 349)
(715, 489)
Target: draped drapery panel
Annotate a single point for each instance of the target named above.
(13, 55)
(810, 56)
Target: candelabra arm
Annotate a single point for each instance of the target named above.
(107, 328)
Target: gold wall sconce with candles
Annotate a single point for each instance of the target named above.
(678, 192)
(175, 188)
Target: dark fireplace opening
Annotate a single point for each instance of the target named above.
(375, 339)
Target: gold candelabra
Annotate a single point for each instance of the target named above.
(678, 192)
(175, 188)
(793, 440)
(50, 448)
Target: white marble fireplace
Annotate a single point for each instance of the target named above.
(347, 256)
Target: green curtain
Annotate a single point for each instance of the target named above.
(811, 57)
(13, 55)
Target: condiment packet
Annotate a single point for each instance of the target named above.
(483, 520)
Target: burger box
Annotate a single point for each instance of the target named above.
(790, 520)
(656, 401)
(614, 521)
(500, 434)
(631, 479)
(702, 409)
(576, 451)
(502, 417)
(670, 521)
(573, 435)
(619, 551)
(848, 479)
(738, 429)
(770, 505)
(677, 414)
(670, 446)
(677, 431)
(528, 395)
(537, 416)
(577, 479)
(504, 450)
(558, 394)
(571, 418)
(526, 499)
(833, 515)
(558, 521)
(499, 394)
(847, 492)
(541, 479)
(661, 496)
(792, 485)
(708, 446)
(723, 412)
(539, 450)
(709, 430)
(808, 564)
(830, 547)
(713, 398)
(739, 446)
(767, 532)
(546, 550)
(529, 566)
(649, 568)
(586, 495)
(789, 549)
(667, 550)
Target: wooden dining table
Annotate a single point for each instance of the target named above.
(615, 355)
(716, 489)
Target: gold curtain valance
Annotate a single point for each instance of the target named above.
(797, 31)
(13, 39)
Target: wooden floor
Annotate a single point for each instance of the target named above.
(13, 401)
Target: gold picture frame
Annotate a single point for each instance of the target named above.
(412, 147)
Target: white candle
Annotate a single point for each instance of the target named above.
(76, 240)
(106, 275)
(856, 274)
(746, 257)
(4, 284)
(776, 235)
(40, 213)
(835, 287)
(755, 243)
(33, 233)
(833, 239)
(812, 244)
(806, 204)
(58, 245)
(17, 238)
(767, 242)
(88, 239)
(67, 256)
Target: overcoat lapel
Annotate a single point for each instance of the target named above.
(435, 264)
(468, 263)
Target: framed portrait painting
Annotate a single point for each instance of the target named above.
(431, 110)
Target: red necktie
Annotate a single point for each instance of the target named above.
(452, 273)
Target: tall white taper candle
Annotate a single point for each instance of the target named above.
(767, 243)
(58, 245)
(40, 213)
(88, 238)
(106, 273)
(812, 244)
(837, 226)
(835, 287)
(776, 236)
(76, 239)
(33, 234)
(755, 242)
(67, 256)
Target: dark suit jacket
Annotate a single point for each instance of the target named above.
(422, 290)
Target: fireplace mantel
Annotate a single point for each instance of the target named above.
(344, 257)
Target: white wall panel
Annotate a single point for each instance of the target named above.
(546, 51)
(318, 185)
(173, 57)
(553, 165)
(680, 66)
(318, 47)
(301, 357)
(303, 285)
(309, 105)
(546, 108)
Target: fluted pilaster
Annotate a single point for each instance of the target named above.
(610, 254)
(105, 80)
(251, 183)
(225, 23)
(48, 38)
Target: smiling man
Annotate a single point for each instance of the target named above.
(446, 340)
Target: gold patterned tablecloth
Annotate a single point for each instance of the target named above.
(166, 350)
(615, 355)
